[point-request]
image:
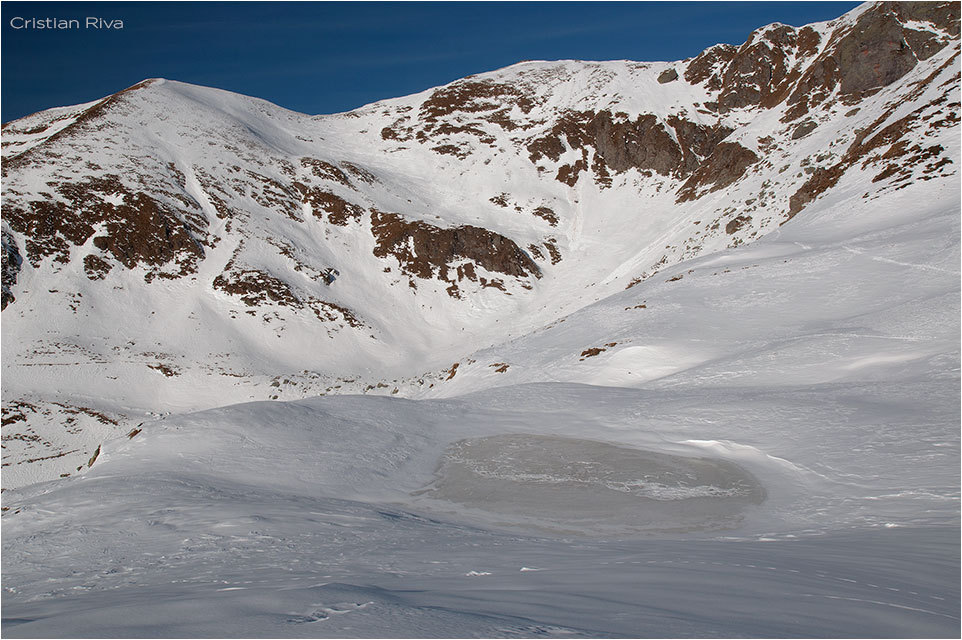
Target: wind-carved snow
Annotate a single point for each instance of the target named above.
(262, 519)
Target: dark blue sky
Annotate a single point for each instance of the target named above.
(327, 57)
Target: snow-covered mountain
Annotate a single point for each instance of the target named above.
(174, 248)
(712, 295)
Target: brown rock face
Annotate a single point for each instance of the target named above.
(473, 96)
(425, 251)
(875, 52)
(803, 129)
(944, 15)
(643, 144)
(339, 211)
(138, 229)
(255, 287)
(885, 145)
(736, 224)
(709, 65)
(326, 171)
(724, 166)
(649, 144)
(758, 72)
(698, 141)
(757, 69)
(776, 62)
(12, 262)
(668, 75)
(96, 267)
(144, 232)
(469, 107)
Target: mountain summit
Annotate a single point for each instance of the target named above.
(175, 247)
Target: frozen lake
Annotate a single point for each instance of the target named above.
(577, 486)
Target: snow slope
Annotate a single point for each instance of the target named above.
(306, 518)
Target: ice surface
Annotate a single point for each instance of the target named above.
(586, 486)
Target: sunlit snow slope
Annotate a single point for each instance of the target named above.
(566, 349)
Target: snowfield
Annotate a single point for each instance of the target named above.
(825, 408)
(307, 519)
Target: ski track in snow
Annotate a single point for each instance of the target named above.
(924, 267)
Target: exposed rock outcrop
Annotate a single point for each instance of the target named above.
(672, 147)
(134, 227)
(339, 211)
(883, 142)
(776, 63)
(256, 288)
(724, 166)
(876, 51)
(425, 251)
(12, 263)
(668, 75)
